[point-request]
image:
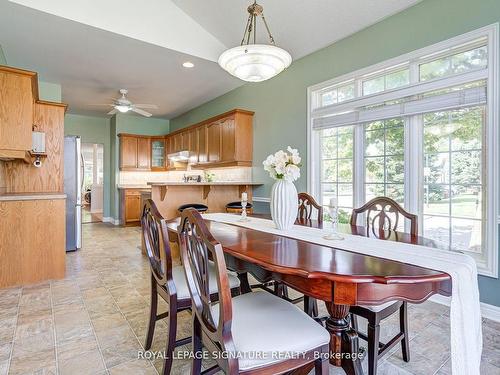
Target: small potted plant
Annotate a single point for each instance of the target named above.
(284, 167)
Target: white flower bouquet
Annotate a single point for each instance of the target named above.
(283, 165)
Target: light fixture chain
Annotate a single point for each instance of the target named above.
(247, 28)
(271, 39)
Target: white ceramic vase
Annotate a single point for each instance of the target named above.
(284, 204)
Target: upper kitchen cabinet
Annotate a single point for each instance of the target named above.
(135, 152)
(229, 140)
(214, 137)
(158, 153)
(201, 150)
(18, 92)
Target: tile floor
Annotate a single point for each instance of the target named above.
(94, 321)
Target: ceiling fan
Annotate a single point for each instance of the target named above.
(124, 105)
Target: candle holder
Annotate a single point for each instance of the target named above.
(244, 217)
(334, 216)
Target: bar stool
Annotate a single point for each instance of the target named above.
(235, 207)
(197, 206)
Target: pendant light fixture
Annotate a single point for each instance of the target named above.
(254, 62)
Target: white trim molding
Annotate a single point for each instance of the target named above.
(488, 311)
(111, 220)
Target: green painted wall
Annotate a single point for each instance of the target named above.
(51, 92)
(280, 103)
(124, 123)
(94, 130)
(3, 60)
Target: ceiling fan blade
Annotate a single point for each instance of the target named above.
(102, 105)
(141, 112)
(146, 106)
(113, 111)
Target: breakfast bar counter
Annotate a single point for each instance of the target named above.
(168, 196)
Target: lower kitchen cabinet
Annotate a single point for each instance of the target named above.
(130, 207)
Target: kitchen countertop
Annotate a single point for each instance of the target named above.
(134, 186)
(31, 196)
(215, 183)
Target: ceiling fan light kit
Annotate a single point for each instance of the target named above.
(124, 105)
(254, 62)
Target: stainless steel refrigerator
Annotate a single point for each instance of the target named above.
(73, 180)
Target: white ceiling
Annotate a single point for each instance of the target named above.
(95, 47)
(300, 26)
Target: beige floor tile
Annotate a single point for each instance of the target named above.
(134, 367)
(36, 362)
(7, 329)
(4, 367)
(120, 352)
(82, 361)
(34, 327)
(5, 350)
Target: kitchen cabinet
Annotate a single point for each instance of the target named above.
(131, 207)
(18, 93)
(201, 133)
(158, 153)
(135, 152)
(214, 142)
(221, 141)
(229, 141)
(143, 153)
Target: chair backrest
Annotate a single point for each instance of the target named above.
(383, 213)
(155, 236)
(199, 250)
(307, 204)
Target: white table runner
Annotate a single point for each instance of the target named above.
(465, 314)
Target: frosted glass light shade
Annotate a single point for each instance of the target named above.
(255, 62)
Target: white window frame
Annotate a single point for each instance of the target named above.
(488, 263)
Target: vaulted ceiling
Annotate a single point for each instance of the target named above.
(94, 47)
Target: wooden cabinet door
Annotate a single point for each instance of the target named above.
(177, 142)
(193, 146)
(132, 208)
(213, 142)
(158, 154)
(228, 149)
(143, 153)
(202, 144)
(16, 112)
(186, 141)
(128, 152)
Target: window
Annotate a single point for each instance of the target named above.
(420, 129)
(384, 159)
(337, 168)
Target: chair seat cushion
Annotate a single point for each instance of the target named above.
(182, 287)
(378, 308)
(264, 323)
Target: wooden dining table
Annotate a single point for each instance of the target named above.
(338, 277)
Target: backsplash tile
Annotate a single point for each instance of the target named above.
(228, 174)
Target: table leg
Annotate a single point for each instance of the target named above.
(344, 344)
(244, 284)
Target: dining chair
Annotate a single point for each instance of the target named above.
(305, 214)
(255, 322)
(382, 218)
(168, 281)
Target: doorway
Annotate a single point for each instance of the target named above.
(93, 175)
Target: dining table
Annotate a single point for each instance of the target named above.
(339, 278)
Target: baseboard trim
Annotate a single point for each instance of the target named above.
(488, 311)
(111, 220)
(261, 199)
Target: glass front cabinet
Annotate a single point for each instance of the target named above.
(158, 154)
